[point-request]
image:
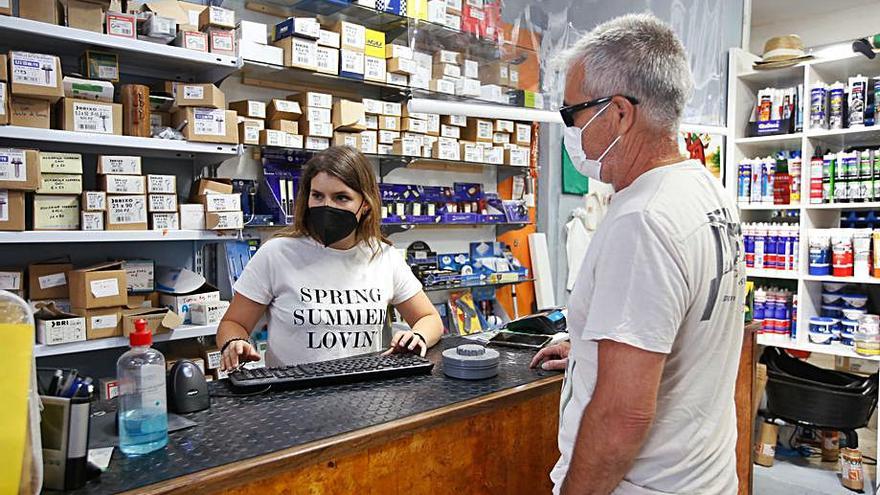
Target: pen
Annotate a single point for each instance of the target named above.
(56, 381)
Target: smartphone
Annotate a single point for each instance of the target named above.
(525, 340)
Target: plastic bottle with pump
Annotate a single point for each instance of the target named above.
(143, 414)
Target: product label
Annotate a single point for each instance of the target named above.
(160, 26)
(471, 69)
(209, 122)
(221, 41)
(388, 137)
(257, 109)
(193, 92)
(484, 130)
(60, 184)
(4, 205)
(34, 69)
(161, 184)
(108, 72)
(166, 221)
(125, 184)
(163, 203)
(122, 165)
(120, 26)
(2, 98)
(195, 41)
(495, 156)
(318, 115)
(317, 143)
(60, 163)
(328, 38)
(368, 142)
(148, 382)
(523, 134)
(92, 220)
(105, 321)
(127, 209)
(391, 108)
(321, 129)
(275, 138)
(95, 201)
(222, 17)
(372, 106)
(92, 117)
(10, 280)
(104, 288)
(304, 53)
(222, 202)
(287, 106)
(352, 62)
(56, 214)
(251, 133)
(519, 157)
(62, 331)
(450, 131)
(354, 35)
(52, 280)
(473, 153)
(327, 59)
(445, 86)
(374, 68)
(13, 165)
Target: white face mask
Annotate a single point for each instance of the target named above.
(571, 139)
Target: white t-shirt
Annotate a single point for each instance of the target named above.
(324, 303)
(664, 273)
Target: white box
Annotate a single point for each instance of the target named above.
(327, 60)
(192, 216)
(256, 52)
(437, 11)
(375, 69)
(372, 107)
(162, 203)
(397, 79)
(409, 146)
(450, 131)
(126, 210)
(221, 202)
(467, 87)
(518, 157)
(398, 51)
(91, 220)
(447, 149)
(494, 155)
(471, 69)
(329, 39)
(371, 122)
(181, 304)
(161, 184)
(165, 221)
(422, 78)
(125, 184)
(315, 114)
(140, 275)
(122, 165)
(505, 126)
(255, 32)
(523, 134)
(304, 54)
(391, 108)
(317, 143)
(208, 313)
(472, 152)
(453, 21)
(369, 142)
(63, 331)
(351, 63)
(433, 123)
(443, 86)
(388, 137)
(385, 149)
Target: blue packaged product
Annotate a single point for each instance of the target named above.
(832, 310)
(466, 191)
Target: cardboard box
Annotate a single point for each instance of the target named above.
(221, 41)
(275, 138)
(351, 139)
(369, 142)
(504, 126)
(291, 126)
(408, 146)
(494, 155)
(351, 64)
(372, 107)
(57, 327)
(299, 53)
(351, 36)
(441, 71)
(162, 203)
(495, 73)
(248, 133)
(48, 280)
(192, 40)
(254, 32)
(123, 184)
(121, 25)
(55, 212)
(161, 184)
(98, 286)
(517, 156)
(349, 116)
(397, 79)
(88, 89)
(100, 65)
(165, 221)
(315, 143)
(399, 65)
(101, 323)
(207, 125)
(388, 137)
(91, 220)
(90, 116)
(221, 202)
(20, 169)
(224, 220)
(302, 27)
(448, 57)
(208, 313)
(312, 114)
(159, 320)
(252, 109)
(94, 201)
(523, 134)
(374, 43)
(140, 275)
(371, 122)
(444, 86)
(192, 216)
(85, 14)
(4, 69)
(126, 212)
(283, 109)
(119, 165)
(212, 357)
(60, 163)
(60, 184)
(414, 125)
(446, 149)
(266, 54)
(471, 152)
(160, 119)
(39, 10)
(500, 138)
(468, 87)
(456, 120)
(316, 129)
(12, 280)
(375, 70)
(470, 69)
(29, 112)
(450, 131)
(328, 39)
(398, 51)
(11, 211)
(479, 130)
(391, 108)
(384, 149)
(313, 99)
(327, 60)
(4, 103)
(217, 17)
(389, 123)
(200, 95)
(211, 186)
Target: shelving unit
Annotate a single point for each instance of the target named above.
(78, 236)
(774, 274)
(477, 285)
(184, 332)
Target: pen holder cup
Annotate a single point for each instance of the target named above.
(64, 431)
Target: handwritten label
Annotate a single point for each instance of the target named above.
(104, 288)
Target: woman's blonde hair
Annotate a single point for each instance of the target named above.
(355, 171)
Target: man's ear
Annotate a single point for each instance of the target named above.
(626, 113)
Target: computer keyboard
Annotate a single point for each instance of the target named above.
(338, 371)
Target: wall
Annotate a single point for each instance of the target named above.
(833, 24)
(707, 29)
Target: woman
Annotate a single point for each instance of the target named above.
(327, 280)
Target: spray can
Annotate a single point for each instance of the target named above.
(794, 170)
(816, 179)
(836, 95)
(819, 107)
(858, 100)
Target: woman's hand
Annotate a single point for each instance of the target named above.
(555, 357)
(238, 351)
(407, 341)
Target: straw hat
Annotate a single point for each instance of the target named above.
(782, 51)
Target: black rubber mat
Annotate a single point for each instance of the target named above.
(234, 429)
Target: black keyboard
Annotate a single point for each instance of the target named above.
(336, 372)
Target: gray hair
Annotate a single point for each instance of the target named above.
(641, 56)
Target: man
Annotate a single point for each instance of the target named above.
(654, 318)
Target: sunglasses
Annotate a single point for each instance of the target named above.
(568, 111)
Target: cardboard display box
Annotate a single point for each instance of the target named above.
(48, 280)
(11, 210)
(21, 169)
(128, 212)
(211, 186)
(101, 322)
(159, 320)
(207, 125)
(181, 288)
(30, 112)
(349, 116)
(252, 109)
(55, 212)
(200, 95)
(35, 75)
(90, 116)
(98, 286)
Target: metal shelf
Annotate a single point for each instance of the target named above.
(779, 140)
(78, 236)
(843, 280)
(477, 285)
(777, 274)
(83, 142)
(854, 136)
(845, 206)
(395, 228)
(141, 58)
(184, 332)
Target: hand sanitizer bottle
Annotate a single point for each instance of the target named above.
(143, 415)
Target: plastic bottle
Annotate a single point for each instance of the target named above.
(143, 415)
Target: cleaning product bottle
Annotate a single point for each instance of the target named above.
(143, 415)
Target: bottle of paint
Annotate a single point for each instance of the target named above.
(842, 253)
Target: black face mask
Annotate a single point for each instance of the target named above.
(330, 224)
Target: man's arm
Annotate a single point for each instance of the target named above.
(617, 420)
